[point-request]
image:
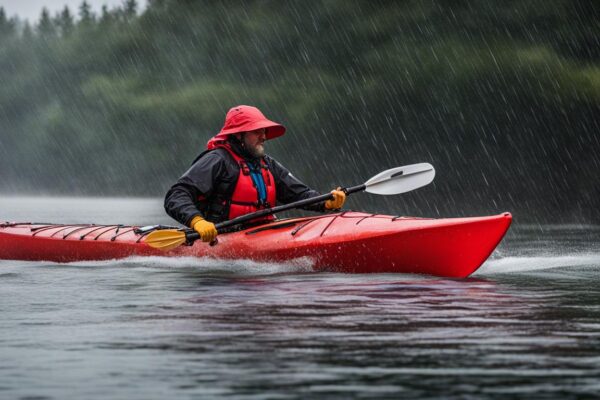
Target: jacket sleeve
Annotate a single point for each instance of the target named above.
(291, 189)
(182, 198)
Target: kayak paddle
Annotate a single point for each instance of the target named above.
(392, 181)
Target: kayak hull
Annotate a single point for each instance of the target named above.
(349, 242)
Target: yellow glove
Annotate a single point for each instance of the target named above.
(339, 197)
(205, 229)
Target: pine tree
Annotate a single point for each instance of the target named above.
(65, 21)
(85, 13)
(106, 18)
(27, 32)
(7, 26)
(46, 26)
(130, 8)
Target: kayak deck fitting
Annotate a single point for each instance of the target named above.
(349, 242)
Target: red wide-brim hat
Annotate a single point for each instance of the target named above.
(247, 118)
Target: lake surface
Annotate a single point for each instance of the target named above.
(526, 325)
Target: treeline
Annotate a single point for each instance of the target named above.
(502, 97)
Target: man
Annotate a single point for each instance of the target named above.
(234, 177)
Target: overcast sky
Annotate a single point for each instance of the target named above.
(31, 9)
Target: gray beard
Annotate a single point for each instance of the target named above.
(255, 152)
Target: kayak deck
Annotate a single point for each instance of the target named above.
(350, 242)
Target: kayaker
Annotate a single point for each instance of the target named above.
(234, 176)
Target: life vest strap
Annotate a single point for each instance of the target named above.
(255, 189)
(257, 204)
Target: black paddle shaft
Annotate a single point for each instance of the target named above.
(192, 235)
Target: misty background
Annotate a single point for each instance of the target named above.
(503, 98)
(31, 9)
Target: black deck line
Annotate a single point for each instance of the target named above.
(329, 224)
(363, 218)
(103, 232)
(341, 215)
(93, 230)
(8, 224)
(142, 235)
(293, 233)
(64, 228)
(132, 229)
(45, 228)
(66, 235)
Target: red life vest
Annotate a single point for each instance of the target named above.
(245, 198)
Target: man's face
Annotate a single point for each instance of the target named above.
(254, 141)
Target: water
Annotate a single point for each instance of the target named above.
(527, 325)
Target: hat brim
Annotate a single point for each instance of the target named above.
(274, 130)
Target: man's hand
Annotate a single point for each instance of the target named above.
(339, 197)
(205, 229)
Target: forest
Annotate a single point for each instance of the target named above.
(503, 98)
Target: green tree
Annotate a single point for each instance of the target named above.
(65, 21)
(27, 33)
(130, 9)
(86, 16)
(509, 88)
(7, 26)
(106, 17)
(45, 26)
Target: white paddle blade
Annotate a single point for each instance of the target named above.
(401, 179)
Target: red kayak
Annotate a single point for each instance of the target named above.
(350, 242)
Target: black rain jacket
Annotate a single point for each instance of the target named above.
(213, 177)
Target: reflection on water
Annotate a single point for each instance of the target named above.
(136, 331)
(526, 326)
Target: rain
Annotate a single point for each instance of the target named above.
(103, 107)
(503, 101)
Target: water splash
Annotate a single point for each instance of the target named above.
(205, 264)
(514, 264)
